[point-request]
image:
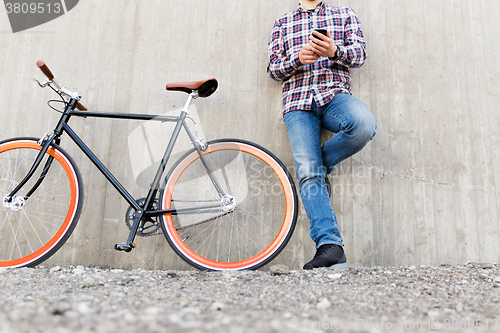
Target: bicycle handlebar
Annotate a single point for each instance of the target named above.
(45, 70)
(80, 106)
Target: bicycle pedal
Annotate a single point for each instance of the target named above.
(124, 247)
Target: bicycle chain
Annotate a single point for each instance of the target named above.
(154, 222)
(200, 222)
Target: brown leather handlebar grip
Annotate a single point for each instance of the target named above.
(45, 70)
(80, 106)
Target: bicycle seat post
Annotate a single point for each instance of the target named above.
(193, 95)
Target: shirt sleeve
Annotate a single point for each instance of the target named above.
(353, 52)
(281, 65)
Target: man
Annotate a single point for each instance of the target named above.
(314, 68)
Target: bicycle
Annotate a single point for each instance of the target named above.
(226, 204)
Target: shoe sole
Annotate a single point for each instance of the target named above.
(341, 264)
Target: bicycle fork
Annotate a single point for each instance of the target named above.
(14, 202)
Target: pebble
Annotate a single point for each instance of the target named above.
(55, 269)
(334, 276)
(274, 299)
(324, 304)
(88, 282)
(279, 269)
(217, 306)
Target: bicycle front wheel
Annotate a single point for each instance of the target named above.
(35, 226)
(252, 223)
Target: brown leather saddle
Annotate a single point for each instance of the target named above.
(205, 88)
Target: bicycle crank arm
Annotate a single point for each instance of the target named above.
(127, 247)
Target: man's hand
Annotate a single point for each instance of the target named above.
(322, 45)
(307, 55)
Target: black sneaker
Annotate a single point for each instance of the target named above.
(328, 255)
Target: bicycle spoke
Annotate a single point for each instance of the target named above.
(218, 242)
(208, 247)
(52, 203)
(47, 214)
(191, 240)
(250, 238)
(207, 237)
(20, 163)
(197, 186)
(14, 243)
(42, 221)
(261, 221)
(26, 237)
(187, 229)
(230, 239)
(51, 189)
(235, 224)
(36, 233)
(6, 218)
(7, 173)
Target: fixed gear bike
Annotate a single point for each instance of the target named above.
(226, 204)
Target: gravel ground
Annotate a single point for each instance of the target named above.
(463, 298)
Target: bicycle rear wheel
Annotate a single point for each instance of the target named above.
(34, 228)
(255, 226)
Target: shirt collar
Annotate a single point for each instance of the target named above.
(318, 7)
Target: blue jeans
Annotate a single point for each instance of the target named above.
(354, 126)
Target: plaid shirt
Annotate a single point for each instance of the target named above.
(324, 79)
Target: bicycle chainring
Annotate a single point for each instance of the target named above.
(147, 227)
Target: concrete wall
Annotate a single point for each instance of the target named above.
(424, 191)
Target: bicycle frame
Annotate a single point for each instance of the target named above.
(141, 212)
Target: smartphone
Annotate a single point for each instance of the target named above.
(321, 31)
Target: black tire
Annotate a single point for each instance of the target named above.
(34, 230)
(261, 211)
